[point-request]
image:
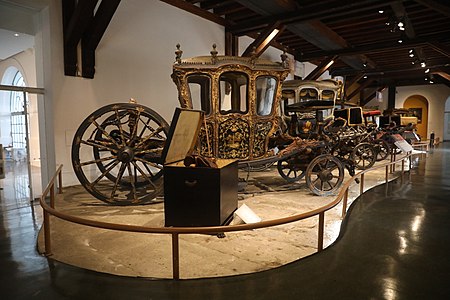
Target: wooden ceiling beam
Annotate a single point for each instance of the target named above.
(321, 68)
(305, 14)
(262, 42)
(79, 21)
(369, 48)
(372, 95)
(440, 8)
(70, 52)
(94, 34)
(193, 9)
(359, 89)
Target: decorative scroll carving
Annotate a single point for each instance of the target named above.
(205, 149)
(234, 139)
(261, 131)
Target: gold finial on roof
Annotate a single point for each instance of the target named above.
(214, 54)
(284, 60)
(178, 54)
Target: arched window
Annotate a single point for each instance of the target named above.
(18, 132)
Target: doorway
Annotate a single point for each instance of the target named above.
(447, 120)
(419, 105)
(19, 136)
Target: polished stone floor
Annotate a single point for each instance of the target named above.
(394, 244)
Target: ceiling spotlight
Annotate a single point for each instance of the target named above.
(426, 78)
(365, 76)
(16, 34)
(431, 81)
(365, 65)
(411, 50)
(400, 24)
(423, 64)
(400, 41)
(402, 28)
(381, 11)
(411, 55)
(412, 62)
(427, 70)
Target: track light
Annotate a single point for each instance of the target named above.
(381, 11)
(423, 64)
(427, 71)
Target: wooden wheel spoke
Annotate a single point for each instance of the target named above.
(98, 160)
(99, 146)
(118, 179)
(142, 141)
(133, 134)
(120, 126)
(146, 162)
(143, 174)
(105, 133)
(108, 169)
(132, 181)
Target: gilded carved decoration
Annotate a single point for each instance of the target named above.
(234, 139)
(261, 137)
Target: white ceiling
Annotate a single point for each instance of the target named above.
(16, 17)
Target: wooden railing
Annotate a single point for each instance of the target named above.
(49, 209)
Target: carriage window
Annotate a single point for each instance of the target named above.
(265, 94)
(233, 89)
(200, 91)
(288, 97)
(308, 94)
(327, 95)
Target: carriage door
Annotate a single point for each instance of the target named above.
(233, 119)
(266, 88)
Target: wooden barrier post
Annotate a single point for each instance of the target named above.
(387, 174)
(47, 237)
(321, 229)
(344, 203)
(361, 184)
(175, 256)
(52, 196)
(60, 191)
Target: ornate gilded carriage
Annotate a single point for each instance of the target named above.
(240, 97)
(117, 150)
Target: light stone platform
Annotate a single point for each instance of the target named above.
(149, 255)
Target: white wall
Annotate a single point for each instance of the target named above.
(133, 60)
(436, 94)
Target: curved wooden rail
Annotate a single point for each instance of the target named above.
(49, 209)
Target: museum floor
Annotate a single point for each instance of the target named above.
(394, 244)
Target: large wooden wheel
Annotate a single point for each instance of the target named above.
(116, 153)
(364, 156)
(324, 175)
(291, 169)
(383, 149)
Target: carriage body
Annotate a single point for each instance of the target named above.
(240, 97)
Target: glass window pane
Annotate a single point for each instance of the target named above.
(233, 90)
(200, 92)
(308, 94)
(265, 94)
(327, 95)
